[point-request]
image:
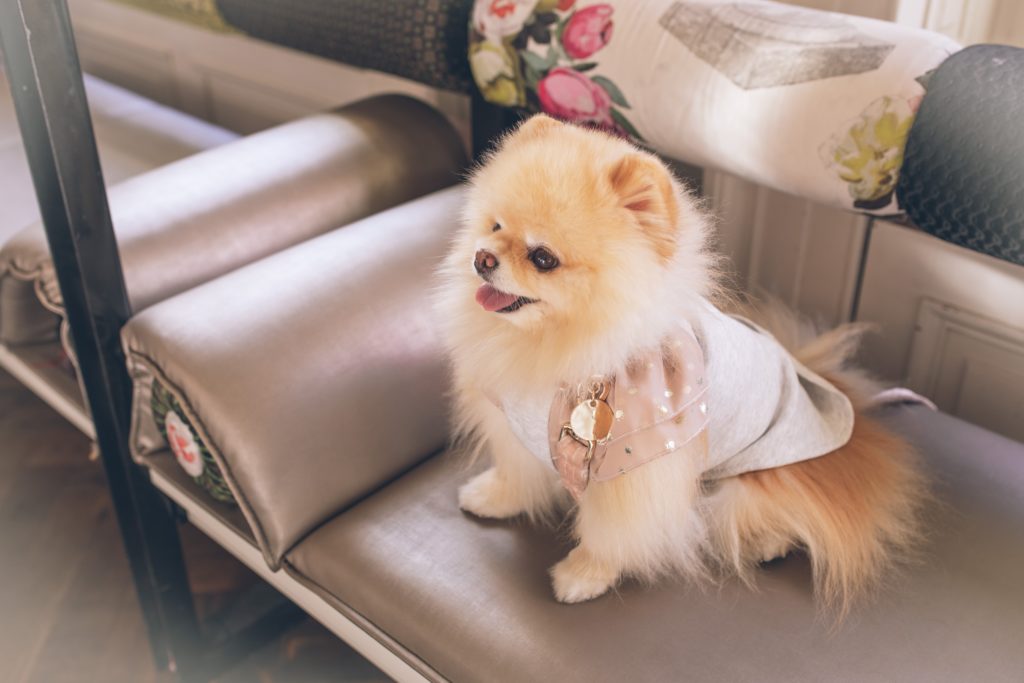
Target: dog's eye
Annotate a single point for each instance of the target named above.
(496, 227)
(543, 259)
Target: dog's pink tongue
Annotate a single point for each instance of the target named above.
(493, 299)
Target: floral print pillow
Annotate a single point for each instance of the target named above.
(815, 104)
(544, 55)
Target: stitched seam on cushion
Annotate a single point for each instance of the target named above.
(35, 276)
(419, 664)
(200, 427)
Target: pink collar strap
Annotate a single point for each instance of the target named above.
(658, 404)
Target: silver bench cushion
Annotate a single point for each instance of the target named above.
(472, 599)
(133, 135)
(314, 376)
(190, 221)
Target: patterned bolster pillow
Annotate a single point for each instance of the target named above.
(965, 156)
(422, 40)
(808, 102)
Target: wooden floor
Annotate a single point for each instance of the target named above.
(67, 608)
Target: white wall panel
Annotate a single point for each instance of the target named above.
(906, 267)
(970, 365)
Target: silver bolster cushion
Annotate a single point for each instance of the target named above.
(133, 135)
(314, 376)
(193, 220)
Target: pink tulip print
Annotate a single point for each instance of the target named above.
(587, 31)
(544, 55)
(568, 94)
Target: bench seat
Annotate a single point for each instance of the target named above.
(315, 379)
(470, 600)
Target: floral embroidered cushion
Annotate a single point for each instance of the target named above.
(808, 102)
(188, 448)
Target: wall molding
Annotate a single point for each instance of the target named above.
(970, 365)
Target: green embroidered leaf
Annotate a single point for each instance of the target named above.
(530, 76)
(626, 125)
(585, 66)
(612, 90)
(535, 62)
(160, 403)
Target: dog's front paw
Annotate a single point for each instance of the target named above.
(579, 577)
(488, 495)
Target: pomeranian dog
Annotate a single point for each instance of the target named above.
(591, 366)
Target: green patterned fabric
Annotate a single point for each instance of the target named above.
(188, 448)
(423, 40)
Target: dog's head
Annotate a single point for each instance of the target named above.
(571, 227)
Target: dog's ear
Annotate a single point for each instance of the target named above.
(536, 126)
(644, 187)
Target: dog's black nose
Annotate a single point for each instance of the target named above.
(485, 262)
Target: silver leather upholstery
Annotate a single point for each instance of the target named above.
(133, 135)
(314, 375)
(472, 599)
(190, 221)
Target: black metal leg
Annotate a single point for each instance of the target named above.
(46, 82)
(862, 265)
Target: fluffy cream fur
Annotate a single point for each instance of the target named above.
(632, 247)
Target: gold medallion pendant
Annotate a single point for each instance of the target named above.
(590, 422)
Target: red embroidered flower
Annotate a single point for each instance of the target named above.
(502, 8)
(183, 444)
(498, 19)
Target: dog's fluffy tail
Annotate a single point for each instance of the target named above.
(854, 510)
